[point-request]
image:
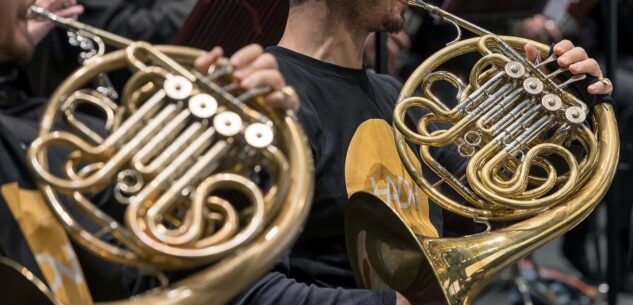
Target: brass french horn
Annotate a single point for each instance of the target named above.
(537, 156)
(210, 176)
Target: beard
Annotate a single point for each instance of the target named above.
(392, 24)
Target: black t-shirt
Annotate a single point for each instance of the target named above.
(346, 115)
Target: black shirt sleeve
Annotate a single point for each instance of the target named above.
(276, 288)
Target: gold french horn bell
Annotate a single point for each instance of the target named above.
(536, 157)
(210, 177)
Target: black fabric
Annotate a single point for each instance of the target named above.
(335, 101)
(20, 117)
(278, 287)
(148, 20)
(54, 59)
(155, 21)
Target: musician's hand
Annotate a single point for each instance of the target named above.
(253, 68)
(577, 61)
(401, 300)
(64, 8)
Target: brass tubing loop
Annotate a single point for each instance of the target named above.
(209, 176)
(535, 157)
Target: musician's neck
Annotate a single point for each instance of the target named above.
(315, 30)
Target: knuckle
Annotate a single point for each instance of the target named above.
(277, 79)
(256, 48)
(565, 43)
(273, 61)
(268, 60)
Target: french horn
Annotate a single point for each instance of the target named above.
(210, 177)
(537, 157)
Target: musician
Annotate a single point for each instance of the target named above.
(346, 113)
(155, 21)
(20, 115)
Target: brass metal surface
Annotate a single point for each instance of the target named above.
(210, 176)
(536, 156)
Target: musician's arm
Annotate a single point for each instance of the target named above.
(276, 288)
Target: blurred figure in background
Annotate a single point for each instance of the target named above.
(155, 21)
(397, 45)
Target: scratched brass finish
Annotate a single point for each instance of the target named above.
(206, 173)
(535, 155)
